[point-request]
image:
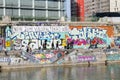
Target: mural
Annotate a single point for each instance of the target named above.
(117, 41)
(55, 37)
(113, 57)
(44, 57)
(86, 58)
(4, 59)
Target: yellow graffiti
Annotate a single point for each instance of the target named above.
(64, 43)
(7, 44)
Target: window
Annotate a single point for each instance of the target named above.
(11, 3)
(1, 11)
(26, 13)
(52, 4)
(40, 4)
(11, 12)
(53, 14)
(40, 13)
(1, 2)
(26, 3)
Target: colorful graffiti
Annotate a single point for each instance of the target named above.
(86, 58)
(4, 59)
(54, 37)
(44, 57)
(117, 41)
(113, 57)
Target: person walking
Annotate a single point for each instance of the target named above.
(5, 51)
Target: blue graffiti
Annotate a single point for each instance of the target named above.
(40, 35)
(8, 33)
(117, 41)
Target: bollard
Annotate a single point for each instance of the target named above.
(106, 63)
(88, 63)
(0, 68)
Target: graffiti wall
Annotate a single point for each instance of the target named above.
(117, 41)
(53, 37)
(113, 57)
(92, 36)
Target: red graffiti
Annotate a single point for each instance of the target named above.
(79, 42)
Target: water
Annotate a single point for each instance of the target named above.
(99, 72)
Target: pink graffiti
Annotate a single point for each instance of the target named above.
(79, 42)
(69, 40)
(97, 40)
(86, 58)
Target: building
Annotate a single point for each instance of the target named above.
(77, 10)
(68, 10)
(32, 9)
(97, 6)
(73, 10)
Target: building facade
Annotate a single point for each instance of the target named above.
(114, 5)
(73, 10)
(77, 10)
(97, 6)
(32, 9)
(68, 10)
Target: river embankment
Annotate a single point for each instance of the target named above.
(79, 57)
